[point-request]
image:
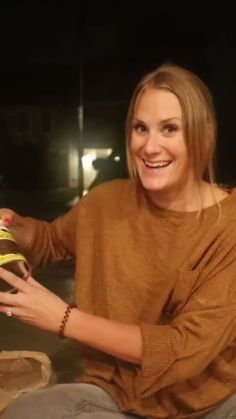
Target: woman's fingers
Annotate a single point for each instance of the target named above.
(12, 279)
(17, 282)
(7, 219)
(7, 299)
(7, 215)
(11, 311)
(33, 303)
(32, 281)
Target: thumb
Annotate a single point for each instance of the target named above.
(7, 216)
(35, 283)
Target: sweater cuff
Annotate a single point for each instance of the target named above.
(157, 359)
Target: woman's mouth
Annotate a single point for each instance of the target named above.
(157, 164)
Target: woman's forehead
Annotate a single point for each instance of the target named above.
(161, 103)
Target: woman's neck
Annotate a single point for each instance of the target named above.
(200, 195)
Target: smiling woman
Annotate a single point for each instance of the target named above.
(171, 132)
(155, 278)
(159, 149)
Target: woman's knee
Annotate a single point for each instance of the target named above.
(226, 410)
(22, 407)
(35, 405)
(55, 401)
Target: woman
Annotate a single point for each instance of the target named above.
(155, 272)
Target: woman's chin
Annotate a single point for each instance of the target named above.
(153, 185)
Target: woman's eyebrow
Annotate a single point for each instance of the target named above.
(170, 119)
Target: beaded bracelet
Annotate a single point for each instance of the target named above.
(64, 320)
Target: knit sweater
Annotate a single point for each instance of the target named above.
(172, 273)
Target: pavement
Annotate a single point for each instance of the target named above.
(57, 277)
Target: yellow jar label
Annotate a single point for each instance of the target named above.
(6, 235)
(11, 257)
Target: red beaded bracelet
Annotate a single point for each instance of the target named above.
(64, 320)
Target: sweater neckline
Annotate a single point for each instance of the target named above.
(182, 215)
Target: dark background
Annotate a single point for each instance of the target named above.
(45, 47)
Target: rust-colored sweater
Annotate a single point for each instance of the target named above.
(172, 273)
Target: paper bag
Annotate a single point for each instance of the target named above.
(22, 372)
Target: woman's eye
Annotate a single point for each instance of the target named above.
(139, 128)
(169, 129)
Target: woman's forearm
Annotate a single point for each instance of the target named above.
(121, 340)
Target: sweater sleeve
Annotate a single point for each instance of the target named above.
(43, 242)
(205, 326)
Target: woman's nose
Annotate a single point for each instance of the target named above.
(152, 143)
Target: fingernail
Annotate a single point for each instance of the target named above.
(7, 220)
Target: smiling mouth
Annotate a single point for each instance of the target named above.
(157, 165)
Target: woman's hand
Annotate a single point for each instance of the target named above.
(7, 216)
(36, 305)
(21, 231)
(33, 303)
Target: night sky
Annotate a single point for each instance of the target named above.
(45, 44)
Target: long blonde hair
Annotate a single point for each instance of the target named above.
(199, 121)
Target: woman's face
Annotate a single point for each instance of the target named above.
(157, 145)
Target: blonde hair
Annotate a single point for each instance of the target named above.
(199, 121)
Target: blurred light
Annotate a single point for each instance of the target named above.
(87, 161)
(90, 173)
(108, 151)
(73, 161)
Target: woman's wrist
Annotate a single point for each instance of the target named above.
(64, 320)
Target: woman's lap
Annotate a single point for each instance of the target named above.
(226, 410)
(65, 401)
(85, 401)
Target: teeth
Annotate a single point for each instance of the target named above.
(156, 165)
